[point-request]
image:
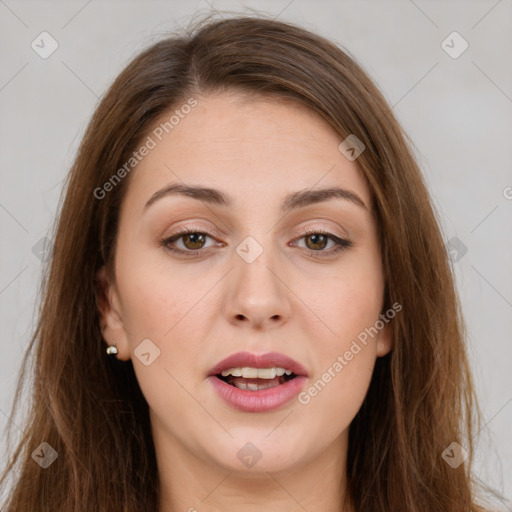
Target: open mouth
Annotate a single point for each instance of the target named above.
(252, 383)
(272, 380)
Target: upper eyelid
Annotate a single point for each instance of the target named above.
(218, 233)
(305, 232)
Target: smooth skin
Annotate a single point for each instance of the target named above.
(297, 297)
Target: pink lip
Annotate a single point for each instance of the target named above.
(258, 401)
(241, 359)
(264, 399)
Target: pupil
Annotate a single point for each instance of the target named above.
(194, 243)
(316, 236)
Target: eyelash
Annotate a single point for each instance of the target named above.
(341, 243)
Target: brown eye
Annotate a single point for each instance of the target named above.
(193, 241)
(187, 242)
(318, 241)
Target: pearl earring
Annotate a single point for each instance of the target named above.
(112, 349)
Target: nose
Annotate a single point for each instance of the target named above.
(258, 294)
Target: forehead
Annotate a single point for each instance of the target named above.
(249, 147)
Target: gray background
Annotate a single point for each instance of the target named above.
(458, 112)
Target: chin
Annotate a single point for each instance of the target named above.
(249, 452)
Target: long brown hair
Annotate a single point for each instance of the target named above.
(89, 408)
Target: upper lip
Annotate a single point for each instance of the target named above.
(268, 360)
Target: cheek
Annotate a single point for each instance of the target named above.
(350, 300)
(334, 397)
(172, 310)
(350, 305)
(345, 361)
(156, 301)
(163, 308)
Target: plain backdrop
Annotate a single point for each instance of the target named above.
(456, 108)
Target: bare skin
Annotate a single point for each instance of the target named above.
(297, 297)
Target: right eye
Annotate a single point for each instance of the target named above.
(193, 242)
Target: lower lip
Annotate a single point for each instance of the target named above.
(258, 401)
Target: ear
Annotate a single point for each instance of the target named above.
(111, 321)
(385, 338)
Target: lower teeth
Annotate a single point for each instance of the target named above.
(250, 385)
(254, 387)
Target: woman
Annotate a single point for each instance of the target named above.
(249, 304)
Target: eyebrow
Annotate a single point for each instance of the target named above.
(292, 201)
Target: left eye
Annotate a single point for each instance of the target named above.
(321, 238)
(317, 241)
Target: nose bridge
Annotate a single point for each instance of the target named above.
(257, 292)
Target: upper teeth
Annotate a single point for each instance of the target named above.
(256, 373)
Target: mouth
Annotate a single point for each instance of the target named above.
(257, 383)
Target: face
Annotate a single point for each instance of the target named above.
(269, 266)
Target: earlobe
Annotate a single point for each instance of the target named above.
(385, 340)
(110, 318)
